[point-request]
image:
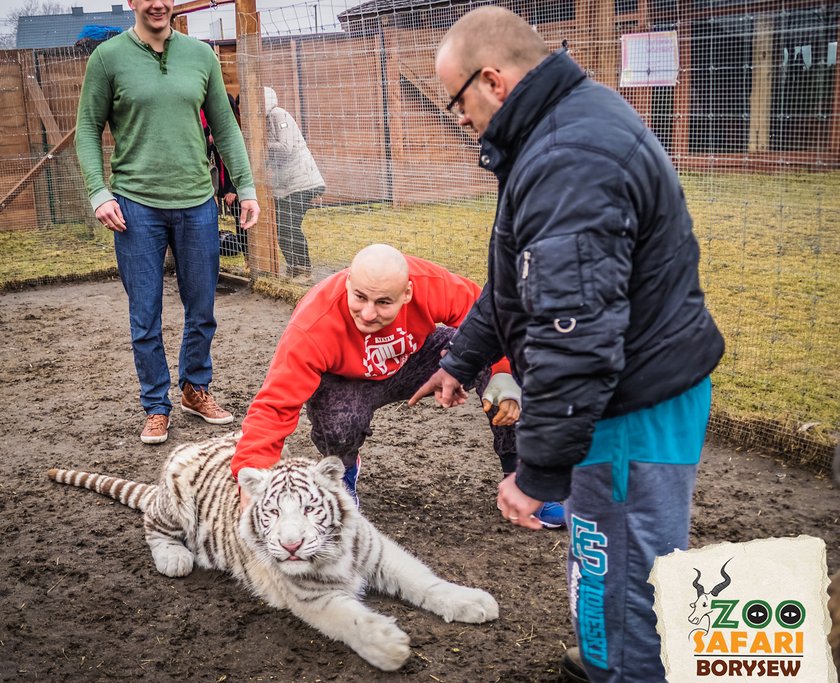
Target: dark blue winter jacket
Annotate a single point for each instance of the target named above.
(592, 291)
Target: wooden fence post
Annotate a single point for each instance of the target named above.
(263, 252)
(607, 50)
(762, 85)
(680, 142)
(296, 91)
(394, 110)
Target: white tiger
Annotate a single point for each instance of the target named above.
(300, 545)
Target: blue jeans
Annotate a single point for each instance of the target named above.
(193, 235)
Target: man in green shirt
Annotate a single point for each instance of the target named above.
(148, 84)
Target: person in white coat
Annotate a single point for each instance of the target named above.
(295, 181)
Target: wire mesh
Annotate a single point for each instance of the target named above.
(743, 95)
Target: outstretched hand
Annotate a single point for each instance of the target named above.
(447, 390)
(515, 506)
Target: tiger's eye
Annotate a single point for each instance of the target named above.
(308, 509)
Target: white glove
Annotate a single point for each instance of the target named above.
(502, 387)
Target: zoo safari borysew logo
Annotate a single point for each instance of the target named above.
(744, 637)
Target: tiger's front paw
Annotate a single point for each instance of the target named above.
(172, 559)
(459, 603)
(381, 642)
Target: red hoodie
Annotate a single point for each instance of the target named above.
(321, 337)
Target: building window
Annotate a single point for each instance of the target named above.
(804, 59)
(626, 6)
(721, 82)
(801, 56)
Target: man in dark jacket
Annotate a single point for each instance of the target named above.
(593, 294)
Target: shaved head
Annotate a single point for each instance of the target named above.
(378, 287)
(380, 261)
(495, 37)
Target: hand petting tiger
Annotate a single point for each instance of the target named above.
(300, 544)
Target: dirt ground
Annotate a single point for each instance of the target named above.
(81, 600)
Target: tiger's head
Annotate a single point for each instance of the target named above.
(297, 514)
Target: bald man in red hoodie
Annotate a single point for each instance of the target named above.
(363, 338)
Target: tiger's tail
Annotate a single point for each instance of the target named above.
(134, 494)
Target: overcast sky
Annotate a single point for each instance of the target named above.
(277, 16)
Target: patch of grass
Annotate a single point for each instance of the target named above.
(771, 271)
(454, 235)
(62, 251)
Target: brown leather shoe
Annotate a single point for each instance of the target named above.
(156, 429)
(201, 402)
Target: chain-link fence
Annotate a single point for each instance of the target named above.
(744, 95)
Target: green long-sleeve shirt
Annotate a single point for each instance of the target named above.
(151, 104)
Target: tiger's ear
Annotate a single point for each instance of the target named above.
(253, 481)
(331, 467)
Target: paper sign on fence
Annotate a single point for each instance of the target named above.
(649, 59)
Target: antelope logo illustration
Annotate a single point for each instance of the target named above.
(701, 609)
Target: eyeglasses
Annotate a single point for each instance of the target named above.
(454, 105)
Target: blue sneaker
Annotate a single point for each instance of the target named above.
(552, 515)
(351, 476)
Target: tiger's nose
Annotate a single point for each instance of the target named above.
(292, 547)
